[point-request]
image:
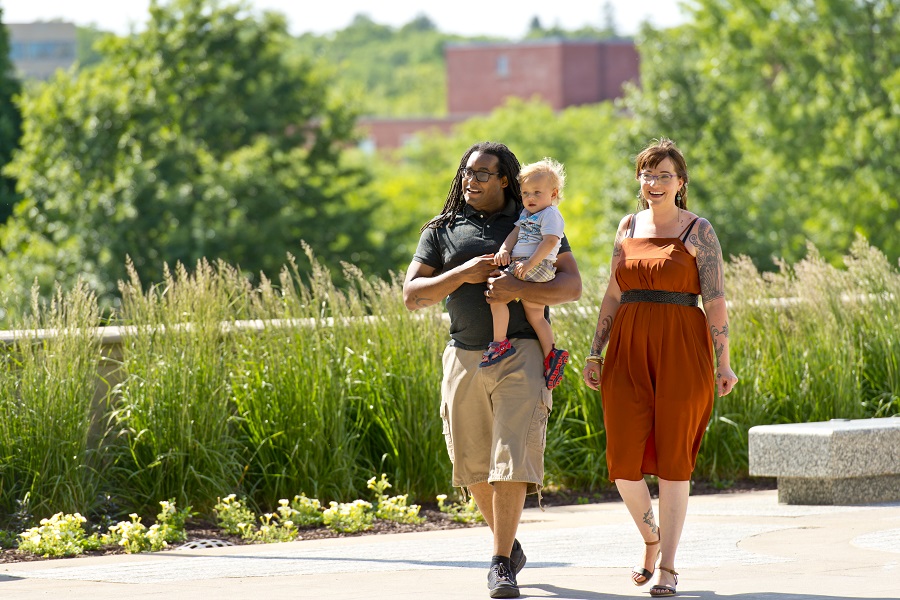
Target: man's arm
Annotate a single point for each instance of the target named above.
(424, 287)
(565, 287)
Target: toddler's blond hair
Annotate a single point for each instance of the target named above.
(549, 168)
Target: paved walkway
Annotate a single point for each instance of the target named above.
(739, 546)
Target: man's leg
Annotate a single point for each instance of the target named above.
(501, 505)
(509, 500)
(484, 498)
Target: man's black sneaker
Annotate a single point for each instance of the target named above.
(517, 557)
(502, 582)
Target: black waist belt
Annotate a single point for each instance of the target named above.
(659, 297)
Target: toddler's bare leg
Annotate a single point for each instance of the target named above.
(535, 315)
(500, 313)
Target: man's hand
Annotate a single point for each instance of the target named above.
(502, 287)
(425, 286)
(477, 270)
(565, 287)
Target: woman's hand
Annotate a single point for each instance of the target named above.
(725, 380)
(591, 374)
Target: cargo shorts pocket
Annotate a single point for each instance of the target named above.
(537, 431)
(445, 425)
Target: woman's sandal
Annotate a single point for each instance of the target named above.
(658, 591)
(642, 572)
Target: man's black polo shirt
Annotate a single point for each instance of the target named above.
(472, 234)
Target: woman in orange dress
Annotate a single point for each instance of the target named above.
(666, 357)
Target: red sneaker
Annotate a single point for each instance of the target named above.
(496, 351)
(554, 365)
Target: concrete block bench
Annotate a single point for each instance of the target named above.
(841, 461)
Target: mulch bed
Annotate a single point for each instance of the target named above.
(434, 519)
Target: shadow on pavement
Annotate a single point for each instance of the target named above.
(554, 591)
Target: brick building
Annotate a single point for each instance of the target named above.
(481, 77)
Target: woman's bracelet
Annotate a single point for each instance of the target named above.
(593, 358)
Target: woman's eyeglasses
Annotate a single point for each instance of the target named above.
(663, 179)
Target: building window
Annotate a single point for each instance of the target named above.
(368, 145)
(41, 50)
(502, 66)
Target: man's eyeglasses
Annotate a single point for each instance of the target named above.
(481, 176)
(663, 179)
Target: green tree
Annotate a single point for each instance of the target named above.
(198, 137)
(788, 114)
(10, 123)
(591, 141)
(391, 72)
(86, 40)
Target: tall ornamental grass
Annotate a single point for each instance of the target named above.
(268, 390)
(576, 439)
(810, 342)
(295, 419)
(49, 434)
(171, 419)
(337, 386)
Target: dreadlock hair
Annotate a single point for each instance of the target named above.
(508, 167)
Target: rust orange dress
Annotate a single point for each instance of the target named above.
(658, 380)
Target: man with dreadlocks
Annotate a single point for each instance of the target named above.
(495, 420)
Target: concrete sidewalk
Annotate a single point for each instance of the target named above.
(742, 545)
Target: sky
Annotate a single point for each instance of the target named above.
(504, 18)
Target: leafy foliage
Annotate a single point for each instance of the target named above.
(10, 123)
(591, 141)
(200, 136)
(86, 52)
(390, 72)
(609, 29)
(788, 113)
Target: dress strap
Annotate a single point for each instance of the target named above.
(687, 230)
(631, 225)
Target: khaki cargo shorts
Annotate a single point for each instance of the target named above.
(495, 418)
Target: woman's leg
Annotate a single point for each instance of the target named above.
(535, 315)
(636, 496)
(673, 503)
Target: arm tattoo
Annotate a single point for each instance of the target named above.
(617, 246)
(601, 337)
(423, 302)
(718, 344)
(709, 262)
(648, 519)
